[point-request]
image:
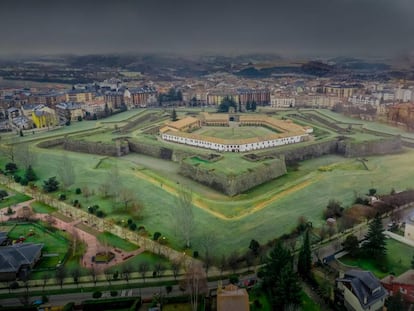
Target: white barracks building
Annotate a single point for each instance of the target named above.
(287, 132)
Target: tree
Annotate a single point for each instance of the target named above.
(143, 268)
(395, 302)
(175, 267)
(24, 156)
(226, 103)
(305, 257)
(66, 172)
(173, 115)
(195, 282)
(126, 272)
(11, 167)
(375, 239)
(280, 283)
(75, 273)
(30, 175)
(3, 194)
(333, 209)
(351, 245)
(126, 196)
(412, 262)
(159, 269)
(183, 215)
(254, 247)
(45, 279)
(60, 275)
(50, 184)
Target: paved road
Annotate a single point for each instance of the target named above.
(145, 293)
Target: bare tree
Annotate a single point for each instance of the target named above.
(126, 196)
(195, 282)
(24, 156)
(108, 276)
(45, 279)
(76, 273)
(143, 268)
(9, 151)
(94, 274)
(183, 215)
(60, 275)
(66, 172)
(126, 272)
(222, 264)
(207, 241)
(175, 266)
(233, 261)
(159, 269)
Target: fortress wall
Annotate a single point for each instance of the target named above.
(231, 184)
(378, 147)
(92, 147)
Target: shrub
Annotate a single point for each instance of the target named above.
(62, 197)
(234, 279)
(11, 167)
(195, 254)
(100, 214)
(133, 226)
(17, 178)
(157, 235)
(3, 194)
(78, 191)
(24, 182)
(97, 294)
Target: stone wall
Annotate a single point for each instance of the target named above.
(92, 147)
(307, 152)
(235, 184)
(383, 146)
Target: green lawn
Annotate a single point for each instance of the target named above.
(398, 260)
(147, 257)
(55, 243)
(41, 208)
(13, 199)
(115, 241)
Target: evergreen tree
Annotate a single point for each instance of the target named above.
(305, 257)
(50, 185)
(375, 239)
(173, 115)
(30, 174)
(280, 283)
(351, 245)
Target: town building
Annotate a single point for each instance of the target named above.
(17, 260)
(69, 111)
(360, 291)
(404, 284)
(232, 298)
(43, 116)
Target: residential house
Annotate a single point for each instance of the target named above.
(403, 284)
(360, 291)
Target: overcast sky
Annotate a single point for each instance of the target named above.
(298, 27)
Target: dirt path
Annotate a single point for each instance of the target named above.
(198, 202)
(92, 243)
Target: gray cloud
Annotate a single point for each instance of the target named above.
(359, 27)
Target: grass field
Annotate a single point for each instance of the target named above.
(398, 260)
(41, 208)
(234, 132)
(115, 241)
(145, 257)
(262, 213)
